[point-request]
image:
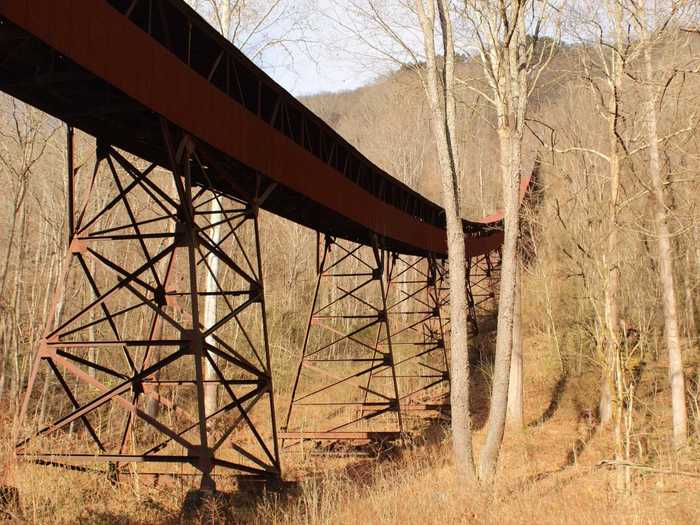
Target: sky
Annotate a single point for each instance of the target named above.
(314, 58)
(316, 50)
(321, 72)
(324, 45)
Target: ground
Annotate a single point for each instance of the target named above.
(550, 472)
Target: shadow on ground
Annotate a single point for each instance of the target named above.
(482, 353)
(557, 394)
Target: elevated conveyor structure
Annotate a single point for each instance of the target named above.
(127, 342)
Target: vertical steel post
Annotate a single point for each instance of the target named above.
(320, 264)
(380, 257)
(70, 178)
(266, 339)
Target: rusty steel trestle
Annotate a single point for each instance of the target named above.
(126, 342)
(374, 350)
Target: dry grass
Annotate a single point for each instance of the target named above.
(419, 488)
(549, 474)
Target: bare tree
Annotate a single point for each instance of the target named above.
(222, 13)
(603, 66)
(418, 36)
(24, 136)
(439, 84)
(515, 384)
(607, 69)
(513, 61)
(653, 19)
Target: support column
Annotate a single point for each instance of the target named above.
(337, 393)
(415, 312)
(476, 288)
(139, 255)
(485, 281)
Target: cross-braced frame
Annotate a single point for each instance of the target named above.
(417, 332)
(484, 279)
(157, 341)
(335, 394)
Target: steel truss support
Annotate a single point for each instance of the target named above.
(484, 274)
(125, 343)
(416, 299)
(483, 279)
(337, 393)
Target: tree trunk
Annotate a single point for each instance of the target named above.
(691, 325)
(442, 110)
(223, 17)
(16, 292)
(4, 353)
(210, 389)
(510, 144)
(612, 313)
(665, 267)
(17, 210)
(611, 266)
(515, 385)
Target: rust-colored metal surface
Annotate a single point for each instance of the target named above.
(344, 436)
(127, 342)
(346, 380)
(417, 322)
(376, 347)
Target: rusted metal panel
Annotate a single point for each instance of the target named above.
(15, 10)
(39, 16)
(97, 38)
(62, 32)
(484, 245)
